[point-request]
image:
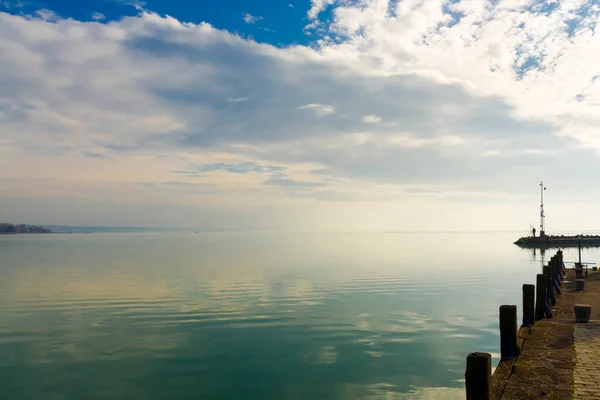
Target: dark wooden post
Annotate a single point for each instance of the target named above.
(556, 271)
(541, 298)
(550, 287)
(556, 287)
(561, 265)
(547, 309)
(556, 279)
(528, 304)
(478, 376)
(560, 270)
(508, 332)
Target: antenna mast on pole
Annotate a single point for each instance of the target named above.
(542, 215)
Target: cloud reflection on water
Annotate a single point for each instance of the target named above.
(362, 322)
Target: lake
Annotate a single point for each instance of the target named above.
(253, 315)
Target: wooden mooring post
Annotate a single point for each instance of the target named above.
(561, 264)
(556, 282)
(508, 332)
(541, 298)
(478, 376)
(528, 304)
(557, 270)
(547, 269)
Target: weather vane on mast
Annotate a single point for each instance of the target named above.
(542, 216)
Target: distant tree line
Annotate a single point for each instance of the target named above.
(22, 228)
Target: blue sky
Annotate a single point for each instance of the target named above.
(278, 22)
(328, 115)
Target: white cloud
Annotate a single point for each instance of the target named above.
(371, 119)
(137, 4)
(453, 107)
(47, 15)
(98, 16)
(317, 6)
(523, 51)
(251, 19)
(320, 109)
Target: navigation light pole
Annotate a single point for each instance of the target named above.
(542, 216)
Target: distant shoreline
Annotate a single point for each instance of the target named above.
(11, 228)
(27, 233)
(43, 233)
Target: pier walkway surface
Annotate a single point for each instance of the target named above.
(587, 366)
(560, 359)
(587, 343)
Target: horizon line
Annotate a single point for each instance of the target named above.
(559, 231)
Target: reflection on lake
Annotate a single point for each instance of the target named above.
(263, 316)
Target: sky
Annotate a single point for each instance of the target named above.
(328, 115)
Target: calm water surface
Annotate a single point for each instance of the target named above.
(253, 316)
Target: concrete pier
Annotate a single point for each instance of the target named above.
(560, 357)
(553, 356)
(544, 367)
(550, 241)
